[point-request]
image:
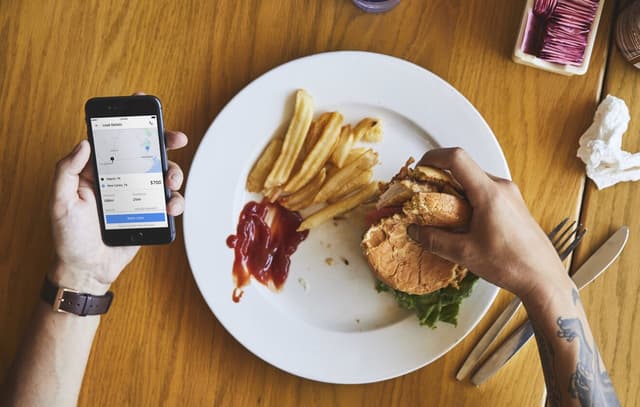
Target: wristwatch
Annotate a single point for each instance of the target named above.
(66, 300)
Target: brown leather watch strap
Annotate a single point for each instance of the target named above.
(67, 300)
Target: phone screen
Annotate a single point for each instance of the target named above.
(129, 166)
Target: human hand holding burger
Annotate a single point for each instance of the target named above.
(503, 243)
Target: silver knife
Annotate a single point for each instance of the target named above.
(492, 333)
(589, 271)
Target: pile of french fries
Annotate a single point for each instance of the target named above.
(318, 164)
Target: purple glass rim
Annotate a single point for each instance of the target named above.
(376, 6)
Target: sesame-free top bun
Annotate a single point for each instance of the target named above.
(395, 258)
(437, 209)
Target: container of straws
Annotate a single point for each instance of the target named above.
(558, 35)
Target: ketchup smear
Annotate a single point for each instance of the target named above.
(265, 239)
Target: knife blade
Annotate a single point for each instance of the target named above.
(589, 271)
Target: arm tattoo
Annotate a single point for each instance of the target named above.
(576, 296)
(590, 385)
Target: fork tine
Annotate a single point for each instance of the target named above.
(561, 245)
(573, 244)
(555, 230)
(563, 235)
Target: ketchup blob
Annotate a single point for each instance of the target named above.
(265, 239)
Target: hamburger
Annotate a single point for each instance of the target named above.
(424, 196)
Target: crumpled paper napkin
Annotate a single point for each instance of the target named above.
(601, 146)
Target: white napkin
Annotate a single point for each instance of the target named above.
(601, 146)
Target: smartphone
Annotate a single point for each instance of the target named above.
(128, 152)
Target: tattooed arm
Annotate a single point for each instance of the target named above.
(505, 246)
(573, 370)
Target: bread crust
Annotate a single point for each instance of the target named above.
(437, 209)
(397, 260)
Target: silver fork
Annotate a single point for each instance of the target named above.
(561, 244)
(560, 237)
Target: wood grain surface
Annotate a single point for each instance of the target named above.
(160, 344)
(612, 301)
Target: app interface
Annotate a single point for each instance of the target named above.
(129, 166)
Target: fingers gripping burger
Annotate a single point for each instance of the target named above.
(424, 196)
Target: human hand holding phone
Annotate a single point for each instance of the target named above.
(54, 353)
(84, 262)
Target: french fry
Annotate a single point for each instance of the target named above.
(262, 167)
(331, 169)
(315, 131)
(318, 155)
(345, 142)
(273, 194)
(367, 160)
(353, 154)
(304, 197)
(293, 140)
(376, 195)
(369, 130)
(351, 185)
(339, 207)
(312, 137)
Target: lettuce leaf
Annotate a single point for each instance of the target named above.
(442, 305)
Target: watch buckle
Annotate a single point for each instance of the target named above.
(60, 299)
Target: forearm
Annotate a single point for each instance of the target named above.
(50, 365)
(573, 370)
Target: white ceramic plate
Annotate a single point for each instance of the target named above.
(328, 323)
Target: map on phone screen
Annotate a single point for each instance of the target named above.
(129, 164)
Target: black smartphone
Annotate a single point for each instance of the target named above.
(130, 162)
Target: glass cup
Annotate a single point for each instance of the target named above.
(376, 6)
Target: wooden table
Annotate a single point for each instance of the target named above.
(160, 344)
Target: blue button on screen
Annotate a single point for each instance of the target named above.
(136, 218)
